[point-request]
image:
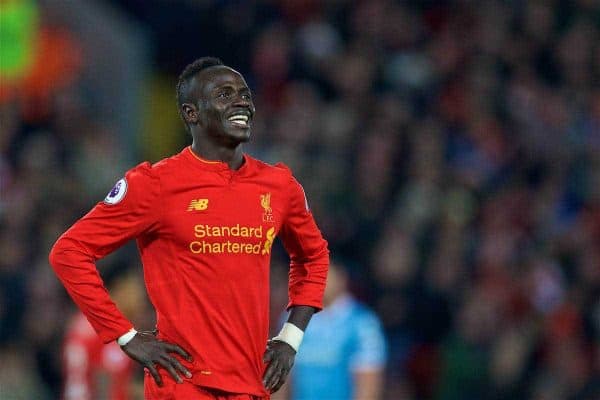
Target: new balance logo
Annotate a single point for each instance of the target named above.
(198, 205)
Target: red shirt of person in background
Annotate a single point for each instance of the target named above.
(93, 369)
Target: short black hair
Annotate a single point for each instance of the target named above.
(189, 72)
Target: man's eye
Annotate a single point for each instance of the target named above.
(246, 96)
(223, 95)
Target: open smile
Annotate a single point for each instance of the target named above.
(240, 119)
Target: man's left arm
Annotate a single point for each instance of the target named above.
(309, 262)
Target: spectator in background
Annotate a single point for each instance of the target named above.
(92, 369)
(344, 352)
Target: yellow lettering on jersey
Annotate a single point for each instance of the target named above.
(269, 241)
(232, 246)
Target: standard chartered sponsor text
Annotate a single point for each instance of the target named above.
(244, 246)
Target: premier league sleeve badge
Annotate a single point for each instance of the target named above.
(117, 193)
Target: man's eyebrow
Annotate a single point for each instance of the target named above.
(228, 85)
(221, 86)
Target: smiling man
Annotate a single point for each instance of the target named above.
(204, 221)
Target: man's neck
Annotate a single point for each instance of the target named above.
(231, 156)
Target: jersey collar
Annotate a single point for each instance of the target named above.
(210, 165)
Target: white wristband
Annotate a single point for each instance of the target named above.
(126, 338)
(290, 334)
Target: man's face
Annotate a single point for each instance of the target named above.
(224, 104)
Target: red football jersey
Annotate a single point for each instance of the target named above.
(92, 369)
(204, 233)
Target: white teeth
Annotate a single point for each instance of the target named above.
(238, 117)
(239, 122)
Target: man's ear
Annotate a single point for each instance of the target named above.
(190, 113)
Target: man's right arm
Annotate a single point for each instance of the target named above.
(126, 212)
(130, 209)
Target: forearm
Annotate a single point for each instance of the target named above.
(77, 272)
(368, 385)
(301, 315)
(283, 393)
(307, 280)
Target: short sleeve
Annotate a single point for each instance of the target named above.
(370, 351)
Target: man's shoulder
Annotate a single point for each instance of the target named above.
(366, 318)
(157, 168)
(167, 164)
(260, 164)
(279, 168)
(147, 173)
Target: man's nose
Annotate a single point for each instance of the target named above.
(241, 101)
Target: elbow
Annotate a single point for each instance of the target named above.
(62, 252)
(322, 253)
(318, 255)
(57, 250)
(67, 253)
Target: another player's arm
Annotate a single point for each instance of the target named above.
(368, 360)
(283, 393)
(128, 211)
(309, 262)
(368, 384)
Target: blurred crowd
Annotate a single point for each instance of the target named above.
(449, 149)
